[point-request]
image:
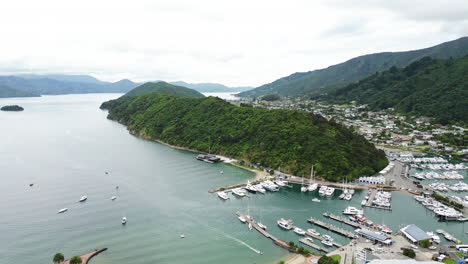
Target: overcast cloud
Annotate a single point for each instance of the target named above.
(241, 42)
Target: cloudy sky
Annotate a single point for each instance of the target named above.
(237, 42)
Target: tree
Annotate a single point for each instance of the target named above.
(409, 252)
(327, 260)
(76, 260)
(58, 258)
(281, 262)
(425, 243)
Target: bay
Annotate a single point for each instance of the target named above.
(64, 144)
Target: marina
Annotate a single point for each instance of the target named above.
(331, 227)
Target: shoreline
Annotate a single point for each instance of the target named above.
(227, 160)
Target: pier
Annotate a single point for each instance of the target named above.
(342, 220)
(314, 246)
(331, 227)
(276, 241)
(88, 256)
(453, 239)
(371, 199)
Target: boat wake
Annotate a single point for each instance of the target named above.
(243, 243)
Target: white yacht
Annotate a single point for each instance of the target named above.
(242, 218)
(313, 232)
(239, 192)
(63, 210)
(83, 198)
(270, 186)
(280, 183)
(312, 187)
(348, 197)
(327, 242)
(259, 188)
(434, 237)
(299, 231)
(223, 195)
(285, 224)
(250, 188)
(316, 200)
(323, 189)
(352, 211)
(327, 237)
(329, 191)
(113, 198)
(124, 220)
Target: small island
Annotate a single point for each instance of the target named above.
(12, 108)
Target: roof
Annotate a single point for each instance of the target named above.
(371, 235)
(414, 233)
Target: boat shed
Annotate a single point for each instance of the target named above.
(374, 236)
(414, 233)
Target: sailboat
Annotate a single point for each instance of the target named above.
(312, 186)
(303, 188)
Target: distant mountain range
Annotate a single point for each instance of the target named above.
(430, 87)
(326, 80)
(212, 87)
(52, 84)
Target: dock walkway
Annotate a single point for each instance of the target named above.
(314, 246)
(342, 220)
(331, 227)
(88, 256)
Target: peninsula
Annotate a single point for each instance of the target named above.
(291, 140)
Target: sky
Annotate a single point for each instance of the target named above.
(236, 43)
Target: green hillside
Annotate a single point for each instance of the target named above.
(326, 80)
(428, 87)
(288, 139)
(6, 91)
(163, 87)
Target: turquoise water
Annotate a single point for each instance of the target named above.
(64, 144)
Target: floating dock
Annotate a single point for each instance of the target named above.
(314, 246)
(331, 227)
(342, 220)
(276, 241)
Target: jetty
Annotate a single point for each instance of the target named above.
(331, 227)
(450, 237)
(321, 238)
(342, 220)
(255, 226)
(88, 256)
(312, 245)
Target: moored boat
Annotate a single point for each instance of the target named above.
(223, 195)
(63, 210)
(299, 231)
(83, 198)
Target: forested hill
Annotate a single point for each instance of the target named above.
(163, 87)
(6, 91)
(288, 139)
(428, 87)
(326, 80)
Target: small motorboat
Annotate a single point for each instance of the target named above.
(31, 184)
(299, 231)
(239, 192)
(182, 236)
(327, 242)
(223, 195)
(221, 172)
(63, 210)
(327, 237)
(83, 198)
(113, 198)
(316, 200)
(242, 218)
(313, 232)
(262, 226)
(124, 220)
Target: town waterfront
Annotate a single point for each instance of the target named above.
(65, 144)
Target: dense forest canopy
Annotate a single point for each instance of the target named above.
(326, 80)
(428, 87)
(288, 139)
(163, 87)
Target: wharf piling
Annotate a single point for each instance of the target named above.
(331, 227)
